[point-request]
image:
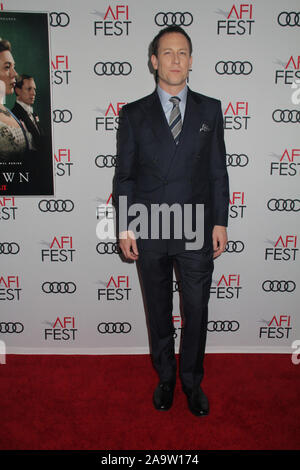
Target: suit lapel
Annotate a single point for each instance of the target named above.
(158, 121)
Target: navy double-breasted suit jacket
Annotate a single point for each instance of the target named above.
(152, 169)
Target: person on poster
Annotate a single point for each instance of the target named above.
(25, 90)
(14, 139)
(171, 149)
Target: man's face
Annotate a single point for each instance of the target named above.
(28, 91)
(173, 61)
(7, 71)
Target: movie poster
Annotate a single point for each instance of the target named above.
(26, 156)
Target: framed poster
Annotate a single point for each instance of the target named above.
(26, 154)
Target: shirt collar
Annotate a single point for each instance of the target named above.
(164, 96)
(27, 107)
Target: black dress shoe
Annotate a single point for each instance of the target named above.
(163, 396)
(197, 401)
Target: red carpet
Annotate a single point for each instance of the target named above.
(105, 402)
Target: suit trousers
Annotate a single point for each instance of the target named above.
(195, 270)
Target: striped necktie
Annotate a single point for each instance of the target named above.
(175, 121)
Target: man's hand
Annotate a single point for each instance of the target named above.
(219, 238)
(128, 245)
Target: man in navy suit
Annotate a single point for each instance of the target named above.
(171, 150)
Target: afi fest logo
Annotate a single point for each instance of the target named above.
(110, 119)
(278, 328)
(60, 250)
(236, 116)
(227, 287)
(105, 213)
(9, 288)
(289, 72)
(63, 329)
(177, 324)
(286, 164)
(115, 21)
(63, 161)
(7, 208)
(60, 70)
(239, 20)
(117, 288)
(237, 205)
(283, 249)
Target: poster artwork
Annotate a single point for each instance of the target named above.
(26, 161)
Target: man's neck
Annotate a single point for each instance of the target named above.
(173, 90)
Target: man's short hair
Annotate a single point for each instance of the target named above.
(5, 45)
(167, 30)
(20, 80)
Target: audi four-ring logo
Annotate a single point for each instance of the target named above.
(287, 205)
(59, 205)
(220, 325)
(286, 115)
(106, 161)
(233, 68)
(112, 68)
(173, 18)
(59, 287)
(117, 327)
(11, 327)
(234, 246)
(289, 18)
(9, 248)
(235, 159)
(61, 19)
(278, 286)
(107, 248)
(62, 115)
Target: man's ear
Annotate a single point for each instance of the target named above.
(154, 62)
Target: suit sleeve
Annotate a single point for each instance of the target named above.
(218, 173)
(125, 174)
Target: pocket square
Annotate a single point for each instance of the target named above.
(204, 128)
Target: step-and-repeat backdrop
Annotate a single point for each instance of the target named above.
(62, 289)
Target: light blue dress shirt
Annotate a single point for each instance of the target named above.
(167, 105)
